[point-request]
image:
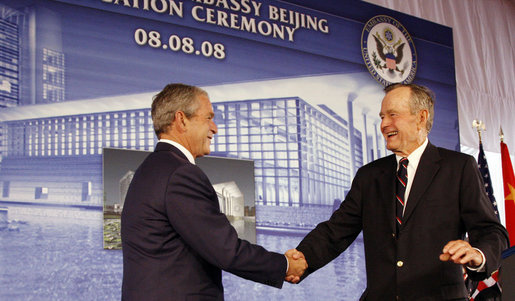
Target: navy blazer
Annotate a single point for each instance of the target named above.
(447, 199)
(176, 241)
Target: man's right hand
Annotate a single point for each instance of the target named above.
(297, 265)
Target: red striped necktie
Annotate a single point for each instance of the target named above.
(402, 181)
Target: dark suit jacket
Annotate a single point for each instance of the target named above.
(175, 239)
(447, 199)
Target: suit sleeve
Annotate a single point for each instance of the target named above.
(193, 210)
(330, 238)
(484, 230)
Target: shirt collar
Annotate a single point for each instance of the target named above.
(185, 151)
(415, 156)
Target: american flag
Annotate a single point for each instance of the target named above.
(483, 169)
(488, 289)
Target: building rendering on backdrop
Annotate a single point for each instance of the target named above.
(305, 156)
(32, 62)
(51, 148)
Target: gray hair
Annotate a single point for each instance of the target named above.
(421, 98)
(173, 98)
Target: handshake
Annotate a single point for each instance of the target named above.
(297, 265)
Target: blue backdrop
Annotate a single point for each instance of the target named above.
(79, 75)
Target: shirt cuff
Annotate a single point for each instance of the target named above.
(287, 265)
(480, 268)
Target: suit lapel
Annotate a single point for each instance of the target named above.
(387, 189)
(426, 170)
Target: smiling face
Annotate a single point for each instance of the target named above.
(200, 128)
(402, 130)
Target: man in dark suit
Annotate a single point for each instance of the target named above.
(175, 240)
(413, 235)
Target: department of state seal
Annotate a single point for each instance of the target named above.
(388, 51)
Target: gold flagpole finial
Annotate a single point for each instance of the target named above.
(479, 126)
(501, 135)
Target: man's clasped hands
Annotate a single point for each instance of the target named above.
(297, 265)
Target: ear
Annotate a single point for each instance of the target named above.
(423, 117)
(180, 121)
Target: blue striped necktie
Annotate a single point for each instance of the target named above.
(402, 181)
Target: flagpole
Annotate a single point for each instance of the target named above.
(479, 126)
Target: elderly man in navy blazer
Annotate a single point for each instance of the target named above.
(413, 224)
(175, 240)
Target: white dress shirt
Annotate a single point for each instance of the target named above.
(413, 160)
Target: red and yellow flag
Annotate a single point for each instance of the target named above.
(509, 192)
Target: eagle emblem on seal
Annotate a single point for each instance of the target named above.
(390, 53)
